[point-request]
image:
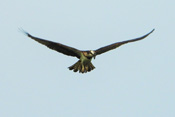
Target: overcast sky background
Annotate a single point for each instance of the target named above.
(135, 80)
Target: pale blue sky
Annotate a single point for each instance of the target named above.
(135, 80)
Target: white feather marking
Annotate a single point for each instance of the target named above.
(92, 52)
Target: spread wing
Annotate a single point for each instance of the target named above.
(115, 45)
(56, 46)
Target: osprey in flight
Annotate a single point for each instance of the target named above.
(84, 64)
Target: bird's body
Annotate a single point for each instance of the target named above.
(84, 64)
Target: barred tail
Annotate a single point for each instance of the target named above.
(78, 66)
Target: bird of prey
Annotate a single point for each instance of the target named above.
(83, 65)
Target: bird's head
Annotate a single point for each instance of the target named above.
(93, 53)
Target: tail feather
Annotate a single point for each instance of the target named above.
(78, 66)
(74, 65)
(91, 66)
(86, 68)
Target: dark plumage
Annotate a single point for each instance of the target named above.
(84, 64)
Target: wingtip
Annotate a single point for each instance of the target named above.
(153, 29)
(23, 31)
